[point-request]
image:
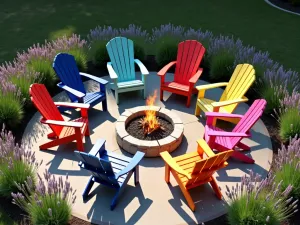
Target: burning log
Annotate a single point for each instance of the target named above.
(148, 127)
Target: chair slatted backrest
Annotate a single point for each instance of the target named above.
(205, 168)
(239, 83)
(45, 105)
(100, 168)
(66, 69)
(121, 54)
(249, 119)
(189, 56)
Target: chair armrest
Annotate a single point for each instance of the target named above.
(220, 115)
(165, 69)
(142, 67)
(196, 76)
(63, 123)
(97, 79)
(172, 163)
(78, 94)
(225, 134)
(99, 146)
(73, 105)
(210, 86)
(133, 163)
(111, 71)
(228, 102)
(204, 148)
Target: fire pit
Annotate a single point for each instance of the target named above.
(150, 129)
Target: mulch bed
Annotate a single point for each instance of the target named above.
(284, 4)
(135, 129)
(269, 121)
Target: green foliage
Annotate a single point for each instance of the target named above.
(80, 56)
(167, 52)
(5, 219)
(289, 123)
(289, 176)
(23, 83)
(11, 109)
(221, 66)
(60, 210)
(12, 172)
(272, 94)
(47, 75)
(68, 31)
(139, 52)
(250, 211)
(98, 53)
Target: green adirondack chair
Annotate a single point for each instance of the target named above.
(121, 68)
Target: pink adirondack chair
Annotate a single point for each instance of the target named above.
(62, 131)
(187, 71)
(223, 141)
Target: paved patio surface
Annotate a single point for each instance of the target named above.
(153, 201)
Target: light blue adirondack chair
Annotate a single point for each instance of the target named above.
(66, 69)
(121, 68)
(109, 169)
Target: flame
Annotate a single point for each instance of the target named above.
(150, 115)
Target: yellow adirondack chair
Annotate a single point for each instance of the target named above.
(239, 83)
(196, 168)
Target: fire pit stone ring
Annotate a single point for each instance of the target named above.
(151, 148)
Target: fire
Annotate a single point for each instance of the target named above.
(150, 121)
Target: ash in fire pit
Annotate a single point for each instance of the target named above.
(136, 129)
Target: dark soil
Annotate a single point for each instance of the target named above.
(135, 129)
(285, 4)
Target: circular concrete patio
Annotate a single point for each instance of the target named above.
(153, 201)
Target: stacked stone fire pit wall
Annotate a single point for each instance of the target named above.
(154, 147)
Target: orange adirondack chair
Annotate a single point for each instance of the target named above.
(62, 131)
(187, 72)
(194, 169)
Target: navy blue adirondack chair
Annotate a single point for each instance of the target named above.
(109, 169)
(66, 69)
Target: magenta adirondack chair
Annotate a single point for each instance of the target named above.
(223, 141)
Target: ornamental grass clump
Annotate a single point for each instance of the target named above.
(51, 204)
(255, 202)
(287, 166)
(17, 165)
(289, 116)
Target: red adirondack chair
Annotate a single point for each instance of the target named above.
(62, 131)
(222, 141)
(187, 72)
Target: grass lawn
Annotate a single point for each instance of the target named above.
(256, 23)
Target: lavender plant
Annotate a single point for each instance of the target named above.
(51, 202)
(259, 202)
(289, 115)
(17, 164)
(287, 166)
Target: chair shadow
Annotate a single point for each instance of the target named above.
(104, 196)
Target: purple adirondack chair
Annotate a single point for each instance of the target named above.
(222, 140)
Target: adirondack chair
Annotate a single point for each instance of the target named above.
(66, 69)
(62, 131)
(187, 72)
(222, 141)
(109, 169)
(194, 169)
(234, 93)
(121, 68)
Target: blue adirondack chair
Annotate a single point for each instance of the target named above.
(121, 68)
(66, 69)
(109, 169)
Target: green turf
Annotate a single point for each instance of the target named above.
(256, 23)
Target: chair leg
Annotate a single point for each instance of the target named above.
(51, 135)
(188, 103)
(117, 96)
(79, 141)
(144, 91)
(167, 173)
(187, 197)
(88, 187)
(104, 105)
(115, 200)
(197, 110)
(161, 95)
(215, 187)
(240, 156)
(136, 175)
(50, 144)
(243, 146)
